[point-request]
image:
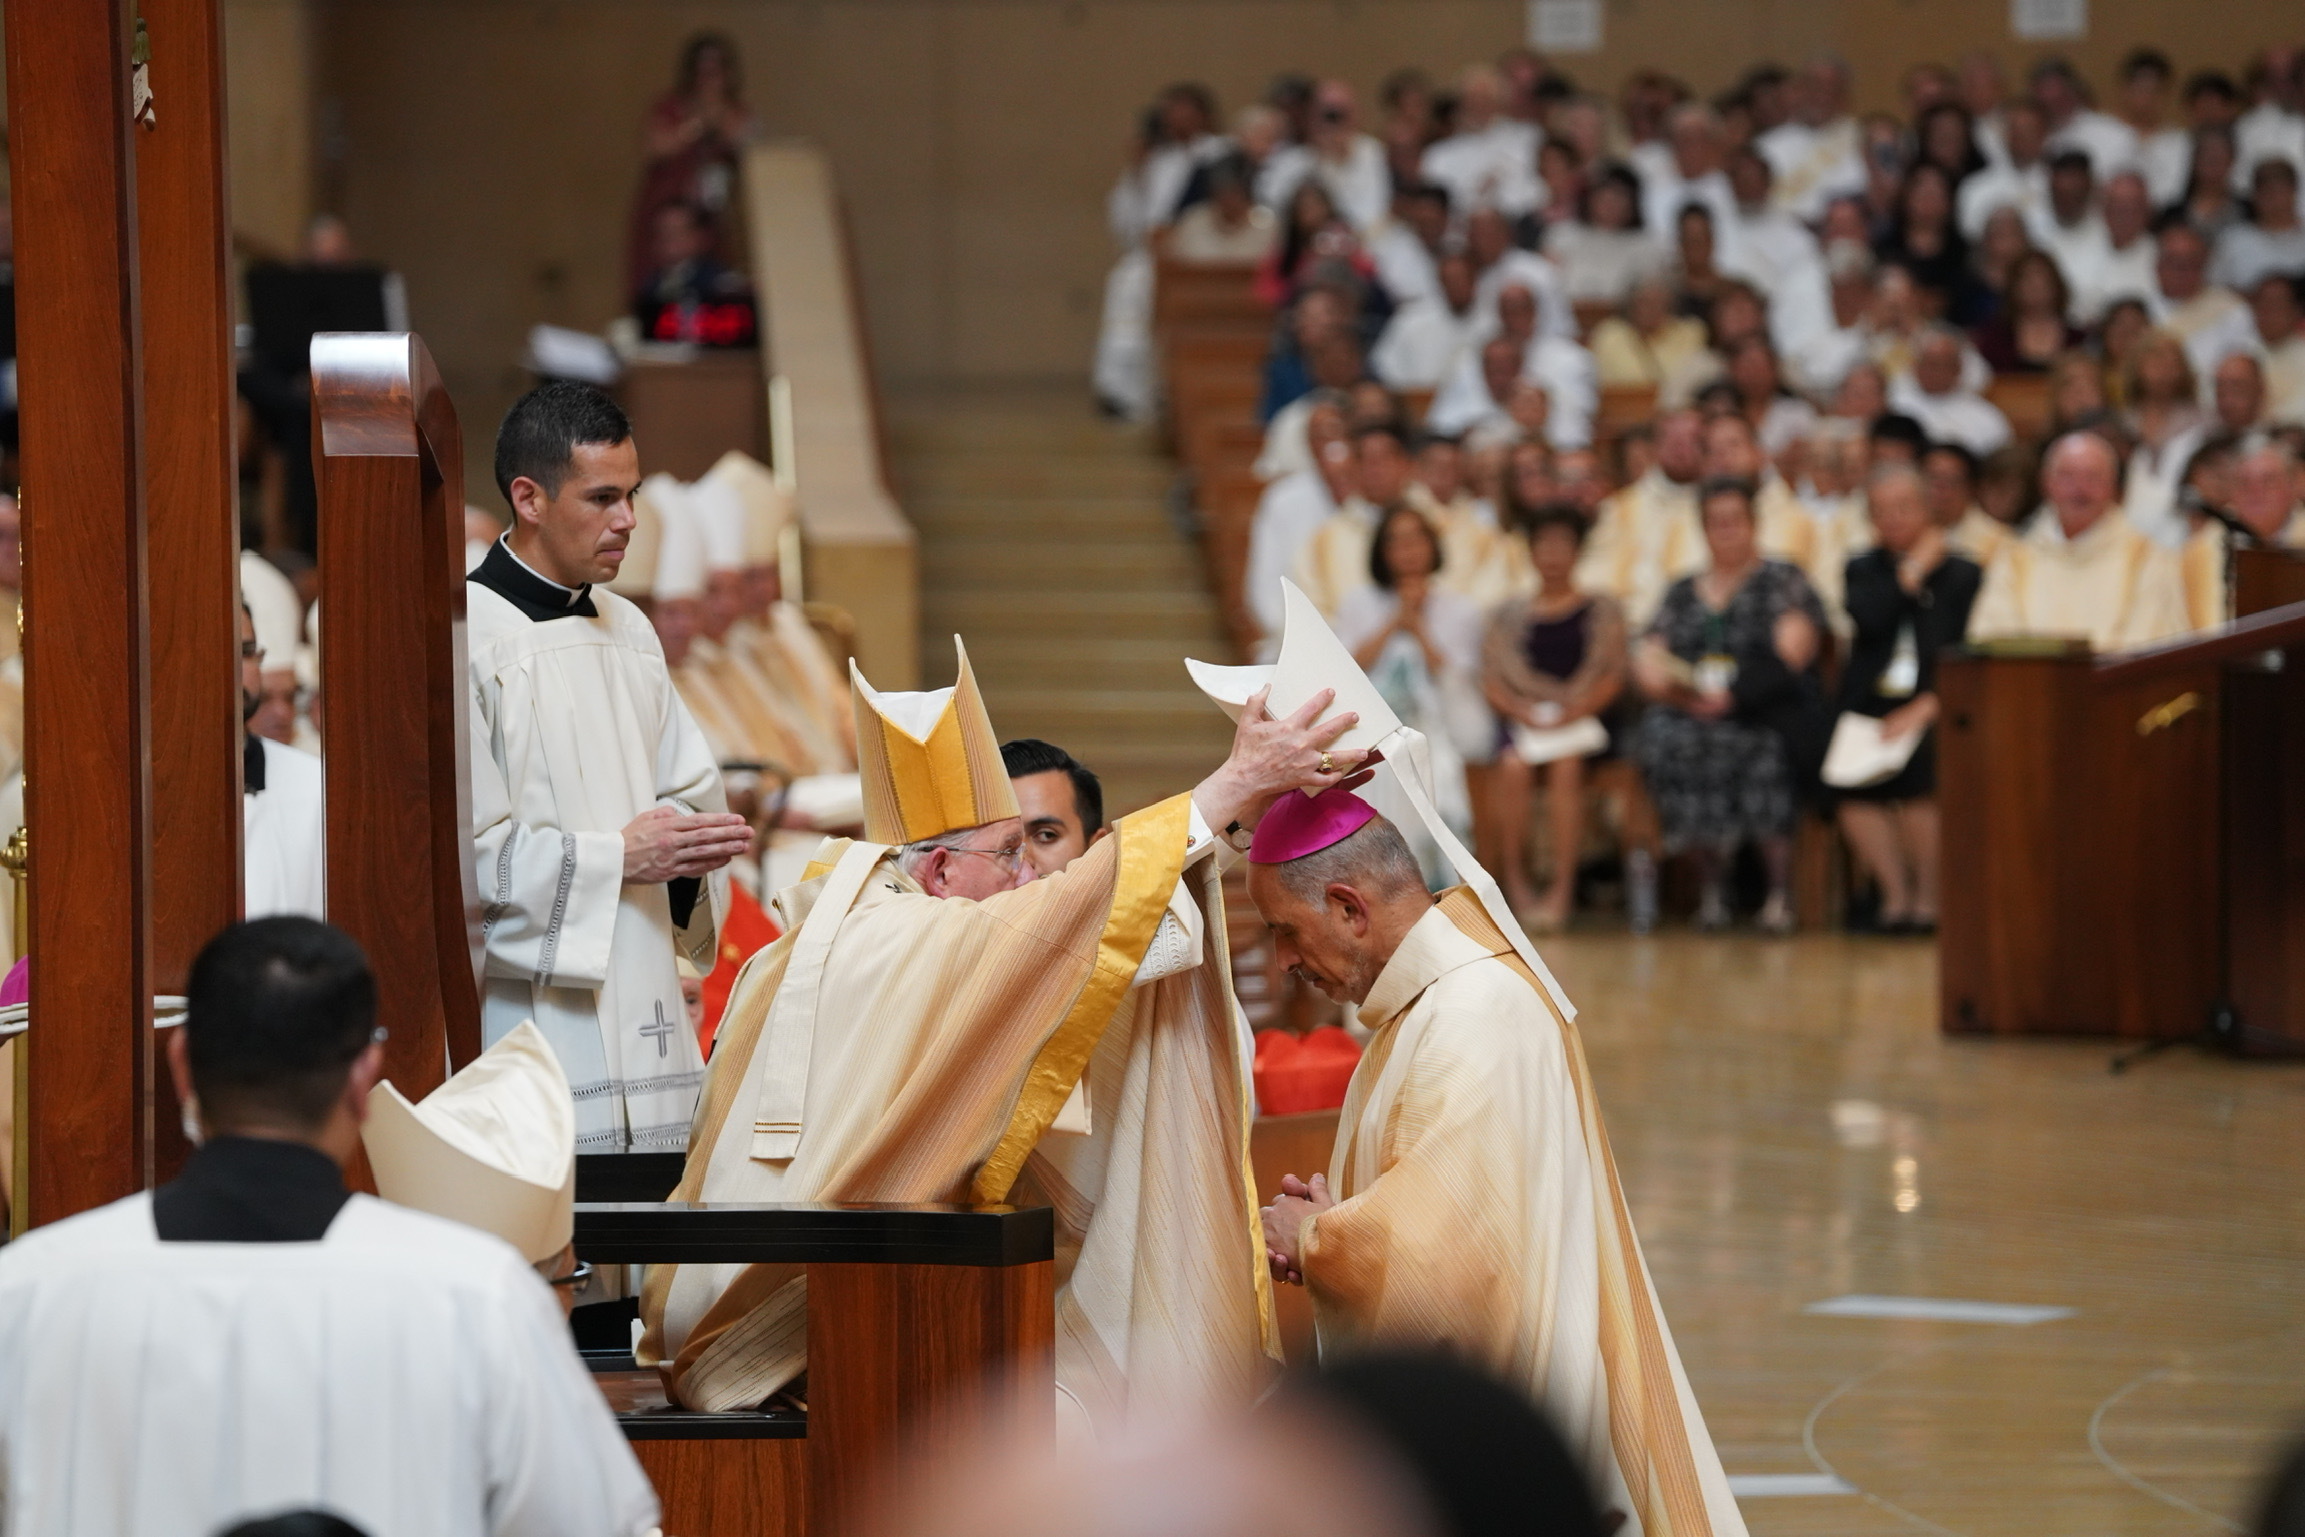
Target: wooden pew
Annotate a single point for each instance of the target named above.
(2115, 838)
(2028, 400)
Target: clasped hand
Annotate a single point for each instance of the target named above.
(1284, 1224)
(1272, 757)
(662, 844)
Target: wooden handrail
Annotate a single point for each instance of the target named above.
(394, 692)
(2275, 629)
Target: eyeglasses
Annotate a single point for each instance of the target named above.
(576, 1278)
(1009, 855)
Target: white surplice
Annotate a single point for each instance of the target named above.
(407, 1373)
(283, 860)
(576, 730)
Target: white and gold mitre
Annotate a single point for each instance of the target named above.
(767, 505)
(636, 575)
(930, 761)
(494, 1147)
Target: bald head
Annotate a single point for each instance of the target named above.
(2082, 480)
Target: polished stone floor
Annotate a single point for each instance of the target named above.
(1792, 1129)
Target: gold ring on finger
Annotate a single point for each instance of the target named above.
(1328, 764)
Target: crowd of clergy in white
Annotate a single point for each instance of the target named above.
(1798, 299)
(1515, 248)
(954, 1012)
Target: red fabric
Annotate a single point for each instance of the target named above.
(1294, 1075)
(744, 929)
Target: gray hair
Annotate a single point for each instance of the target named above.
(1375, 859)
(912, 856)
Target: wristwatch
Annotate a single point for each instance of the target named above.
(1238, 836)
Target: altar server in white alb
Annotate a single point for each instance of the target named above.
(599, 824)
(251, 1338)
(284, 811)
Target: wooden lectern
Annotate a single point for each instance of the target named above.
(2122, 832)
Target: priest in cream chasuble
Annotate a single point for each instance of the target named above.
(1471, 1202)
(937, 1026)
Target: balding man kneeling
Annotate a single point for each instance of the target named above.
(1472, 1202)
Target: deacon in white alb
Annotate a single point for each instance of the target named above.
(599, 822)
(251, 1338)
(284, 813)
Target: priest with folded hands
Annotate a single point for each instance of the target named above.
(599, 824)
(938, 1025)
(1472, 1203)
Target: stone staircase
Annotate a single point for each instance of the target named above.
(1046, 543)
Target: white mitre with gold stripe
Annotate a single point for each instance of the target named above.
(494, 1147)
(930, 761)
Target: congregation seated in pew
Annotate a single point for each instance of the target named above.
(1731, 736)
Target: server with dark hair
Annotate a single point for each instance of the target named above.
(1061, 801)
(598, 819)
(252, 1338)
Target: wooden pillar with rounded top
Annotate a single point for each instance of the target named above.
(87, 785)
(390, 464)
(191, 495)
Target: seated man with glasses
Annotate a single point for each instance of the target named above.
(251, 1337)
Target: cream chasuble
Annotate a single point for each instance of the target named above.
(2205, 559)
(577, 730)
(1644, 539)
(786, 649)
(405, 1372)
(898, 1047)
(1479, 1208)
(2111, 586)
(1335, 560)
(763, 721)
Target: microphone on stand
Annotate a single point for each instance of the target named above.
(2192, 501)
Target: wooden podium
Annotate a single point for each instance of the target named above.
(2124, 835)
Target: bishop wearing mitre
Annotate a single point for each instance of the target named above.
(937, 1025)
(1471, 1202)
(599, 823)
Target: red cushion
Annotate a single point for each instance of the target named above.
(1297, 1074)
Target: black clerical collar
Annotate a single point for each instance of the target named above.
(251, 763)
(540, 598)
(250, 1190)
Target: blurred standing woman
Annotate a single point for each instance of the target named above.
(1420, 644)
(1729, 665)
(694, 134)
(1909, 598)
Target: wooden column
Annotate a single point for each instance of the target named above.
(86, 775)
(190, 493)
(390, 466)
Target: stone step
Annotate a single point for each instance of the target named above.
(1133, 563)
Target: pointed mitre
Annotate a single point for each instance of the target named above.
(1311, 659)
(930, 762)
(767, 505)
(494, 1147)
(636, 574)
(681, 561)
(719, 509)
